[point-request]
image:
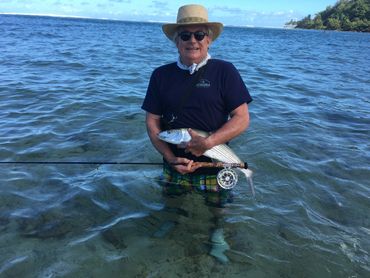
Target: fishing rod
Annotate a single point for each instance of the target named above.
(243, 165)
(81, 162)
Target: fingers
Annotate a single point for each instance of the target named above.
(184, 165)
(195, 166)
(192, 133)
(197, 145)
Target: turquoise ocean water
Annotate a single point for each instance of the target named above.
(71, 90)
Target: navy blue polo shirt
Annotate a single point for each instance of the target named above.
(219, 91)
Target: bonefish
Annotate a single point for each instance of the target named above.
(222, 153)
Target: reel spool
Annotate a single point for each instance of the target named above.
(227, 178)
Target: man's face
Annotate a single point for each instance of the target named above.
(193, 50)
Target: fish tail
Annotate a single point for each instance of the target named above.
(249, 174)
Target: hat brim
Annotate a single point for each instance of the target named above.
(170, 29)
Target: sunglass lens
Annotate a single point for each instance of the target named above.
(185, 36)
(199, 36)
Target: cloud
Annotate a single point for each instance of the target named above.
(227, 10)
(242, 12)
(160, 9)
(120, 1)
(159, 5)
(244, 17)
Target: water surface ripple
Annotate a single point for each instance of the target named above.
(71, 90)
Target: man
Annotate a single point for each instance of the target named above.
(197, 92)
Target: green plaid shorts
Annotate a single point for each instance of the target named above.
(176, 184)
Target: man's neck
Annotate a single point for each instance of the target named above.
(193, 67)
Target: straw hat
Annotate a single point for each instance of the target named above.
(192, 15)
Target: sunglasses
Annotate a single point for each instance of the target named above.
(198, 35)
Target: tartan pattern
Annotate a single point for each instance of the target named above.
(176, 184)
(191, 181)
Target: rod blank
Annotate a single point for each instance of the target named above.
(201, 164)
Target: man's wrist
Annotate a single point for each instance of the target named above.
(209, 142)
(169, 158)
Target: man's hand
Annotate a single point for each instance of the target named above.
(198, 144)
(183, 165)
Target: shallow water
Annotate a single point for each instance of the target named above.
(71, 90)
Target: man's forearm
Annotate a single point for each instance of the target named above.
(162, 147)
(237, 124)
(153, 126)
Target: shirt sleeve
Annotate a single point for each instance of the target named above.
(151, 101)
(235, 93)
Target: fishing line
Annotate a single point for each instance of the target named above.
(82, 162)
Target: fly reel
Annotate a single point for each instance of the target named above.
(227, 178)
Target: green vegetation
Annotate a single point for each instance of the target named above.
(345, 15)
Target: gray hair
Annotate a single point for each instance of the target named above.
(178, 31)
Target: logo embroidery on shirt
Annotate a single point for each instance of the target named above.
(203, 83)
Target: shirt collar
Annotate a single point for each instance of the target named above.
(194, 67)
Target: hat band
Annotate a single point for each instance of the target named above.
(192, 20)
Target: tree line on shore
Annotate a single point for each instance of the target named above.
(345, 15)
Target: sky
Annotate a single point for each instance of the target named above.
(257, 13)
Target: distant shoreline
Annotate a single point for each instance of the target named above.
(124, 20)
(72, 17)
(345, 15)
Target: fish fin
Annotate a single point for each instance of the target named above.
(248, 175)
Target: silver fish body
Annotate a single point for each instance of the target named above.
(221, 153)
(176, 136)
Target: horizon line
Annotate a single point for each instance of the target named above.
(125, 20)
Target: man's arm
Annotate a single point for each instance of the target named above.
(238, 122)
(153, 125)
